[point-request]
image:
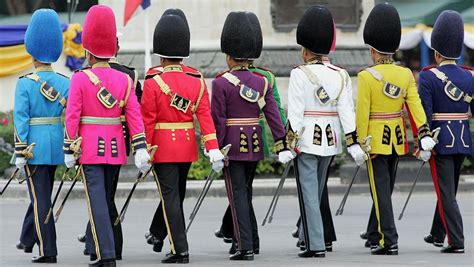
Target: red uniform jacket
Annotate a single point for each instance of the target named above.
(167, 125)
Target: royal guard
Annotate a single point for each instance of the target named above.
(238, 98)
(106, 93)
(447, 92)
(117, 227)
(171, 98)
(40, 99)
(158, 231)
(319, 103)
(326, 215)
(383, 91)
(226, 230)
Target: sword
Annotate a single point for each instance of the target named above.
(276, 196)
(295, 137)
(75, 147)
(9, 180)
(50, 212)
(27, 152)
(340, 210)
(140, 178)
(207, 186)
(435, 137)
(366, 147)
(58, 212)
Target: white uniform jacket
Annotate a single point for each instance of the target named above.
(319, 101)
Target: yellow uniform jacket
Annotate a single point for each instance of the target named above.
(383, 91)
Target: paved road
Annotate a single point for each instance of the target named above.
(277, 246)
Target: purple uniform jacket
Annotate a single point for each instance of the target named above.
(236, 119)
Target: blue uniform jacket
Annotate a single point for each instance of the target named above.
(31, 104)
(455, 136)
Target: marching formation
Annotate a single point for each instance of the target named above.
(108, 115)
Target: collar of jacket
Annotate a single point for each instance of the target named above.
(101, 65)
(239, 67)
(384, 61)
(44, 68)
(173, 68)
(447, 62)
(314, 61)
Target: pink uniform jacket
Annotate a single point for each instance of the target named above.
(99, 126)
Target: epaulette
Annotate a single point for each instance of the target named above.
(64, 75)
(428, 67)
(221, 73)
(154, 70)
(78, 70)
(264, 69)
(297, 66)
(128, 67)
(258, 74)
(466, 67)
(334, 67)
(191, 71)
(151, 75)
(24, 76)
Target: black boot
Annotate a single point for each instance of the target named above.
(430, 239)
(182, 257)
(233, 249)
(81, 238)
(312, 253)
(23, 247)
(294, 234)
(158, 245)
(242, 255)
(103, 263)
(86, 252)
(363, 235)
(452, 249)
(367, 244)
(328, 246)
(387, 250)
(44, 259)
(301, 244)
(219, 234)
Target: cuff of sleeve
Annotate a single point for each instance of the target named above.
(138, 141)
(19, 148)
(424, 131)
(281, 145)
(351, 139)
(67, 146)
(211, 144)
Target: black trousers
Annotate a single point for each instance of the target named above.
(98, 185)
(437, 227)
(325, 208)
(167, 178)
(227, 227)
(238, 176)
(113, 213)
(27, 235)
(445, 171)
(158, 226)
(381, 228)
(40, 187)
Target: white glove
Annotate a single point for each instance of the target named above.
(215, 155)
(424, 155)
(217, 165)
(427, 143)
(69, 160)
(142, 160)
(20, 162)
(285, 156)
(357, 154)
